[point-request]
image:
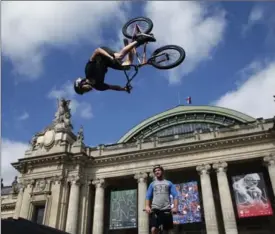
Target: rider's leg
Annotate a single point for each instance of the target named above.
(130, 55)
(140, 39)
(127, 49)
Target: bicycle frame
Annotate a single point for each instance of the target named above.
(144, 61)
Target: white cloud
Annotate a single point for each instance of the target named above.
(255, 16)
(262, 15)
(11, 151)
(82, 109)
(197, 27)
(254, 96)
(29, 28)
(24, 116)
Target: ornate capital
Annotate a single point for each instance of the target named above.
(220, 166)
(269, 160)
(203, 169)
(75, 179)
(57, 179)
(141, 177)
(29, 183)
(99, 183)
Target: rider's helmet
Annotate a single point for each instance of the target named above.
(77, 86)
(156, 167)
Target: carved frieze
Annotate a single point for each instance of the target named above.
(49, 139)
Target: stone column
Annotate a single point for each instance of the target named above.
(98, 223)
(19, 203)
(73, 208)
(208, 200)
(143, 219)
(25, 207)
(84, 205)
(64, 201)
(270, 163)
(56, 202)
(225, 198)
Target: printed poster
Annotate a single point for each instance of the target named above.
(251, 195)
(123, 209)
(189, 203)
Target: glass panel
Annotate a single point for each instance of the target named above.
(184, 128)
(38, 214)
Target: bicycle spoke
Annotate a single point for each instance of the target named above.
(143, 26)
(173, 56)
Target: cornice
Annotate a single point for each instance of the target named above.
(60, 158)
(208, 145)
(155, 152)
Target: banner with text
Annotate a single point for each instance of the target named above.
(189, 203)
(123, 209)
(251, 195)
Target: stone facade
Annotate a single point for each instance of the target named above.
(69, 178)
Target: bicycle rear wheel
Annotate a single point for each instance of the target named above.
(165, 57)
(145, 25)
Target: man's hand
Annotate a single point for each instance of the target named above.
(128, 88)
(174, 210)
(148, 209)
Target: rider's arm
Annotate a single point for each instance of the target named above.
(100, 51)
(174, 193)
(104, 86)
(149, 195)
(116, 87)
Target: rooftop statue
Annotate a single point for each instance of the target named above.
(63, 114)
(80, 135)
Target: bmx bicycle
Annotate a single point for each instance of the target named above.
(161, 58)
(160, 227)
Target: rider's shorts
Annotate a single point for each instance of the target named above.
(99, 66)
(162, 218)
(96, 70)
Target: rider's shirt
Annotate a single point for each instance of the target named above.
(95, 72)
(159, 192)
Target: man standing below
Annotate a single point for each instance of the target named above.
(158, 204)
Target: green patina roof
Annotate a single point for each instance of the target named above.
(184, 110)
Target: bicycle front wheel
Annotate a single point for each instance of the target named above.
(167, 57)
(145, 25)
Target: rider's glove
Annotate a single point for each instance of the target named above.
(128, 88)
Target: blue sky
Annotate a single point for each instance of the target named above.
(45, 45)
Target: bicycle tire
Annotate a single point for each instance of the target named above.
(135, 20)
(170, 66)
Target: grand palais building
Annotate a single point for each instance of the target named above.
(222, 162)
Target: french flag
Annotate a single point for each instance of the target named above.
(189, 100)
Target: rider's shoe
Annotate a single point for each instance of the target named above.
(142, 38)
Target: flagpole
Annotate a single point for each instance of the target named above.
(179, 97)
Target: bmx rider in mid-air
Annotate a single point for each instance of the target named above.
(102, 59)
